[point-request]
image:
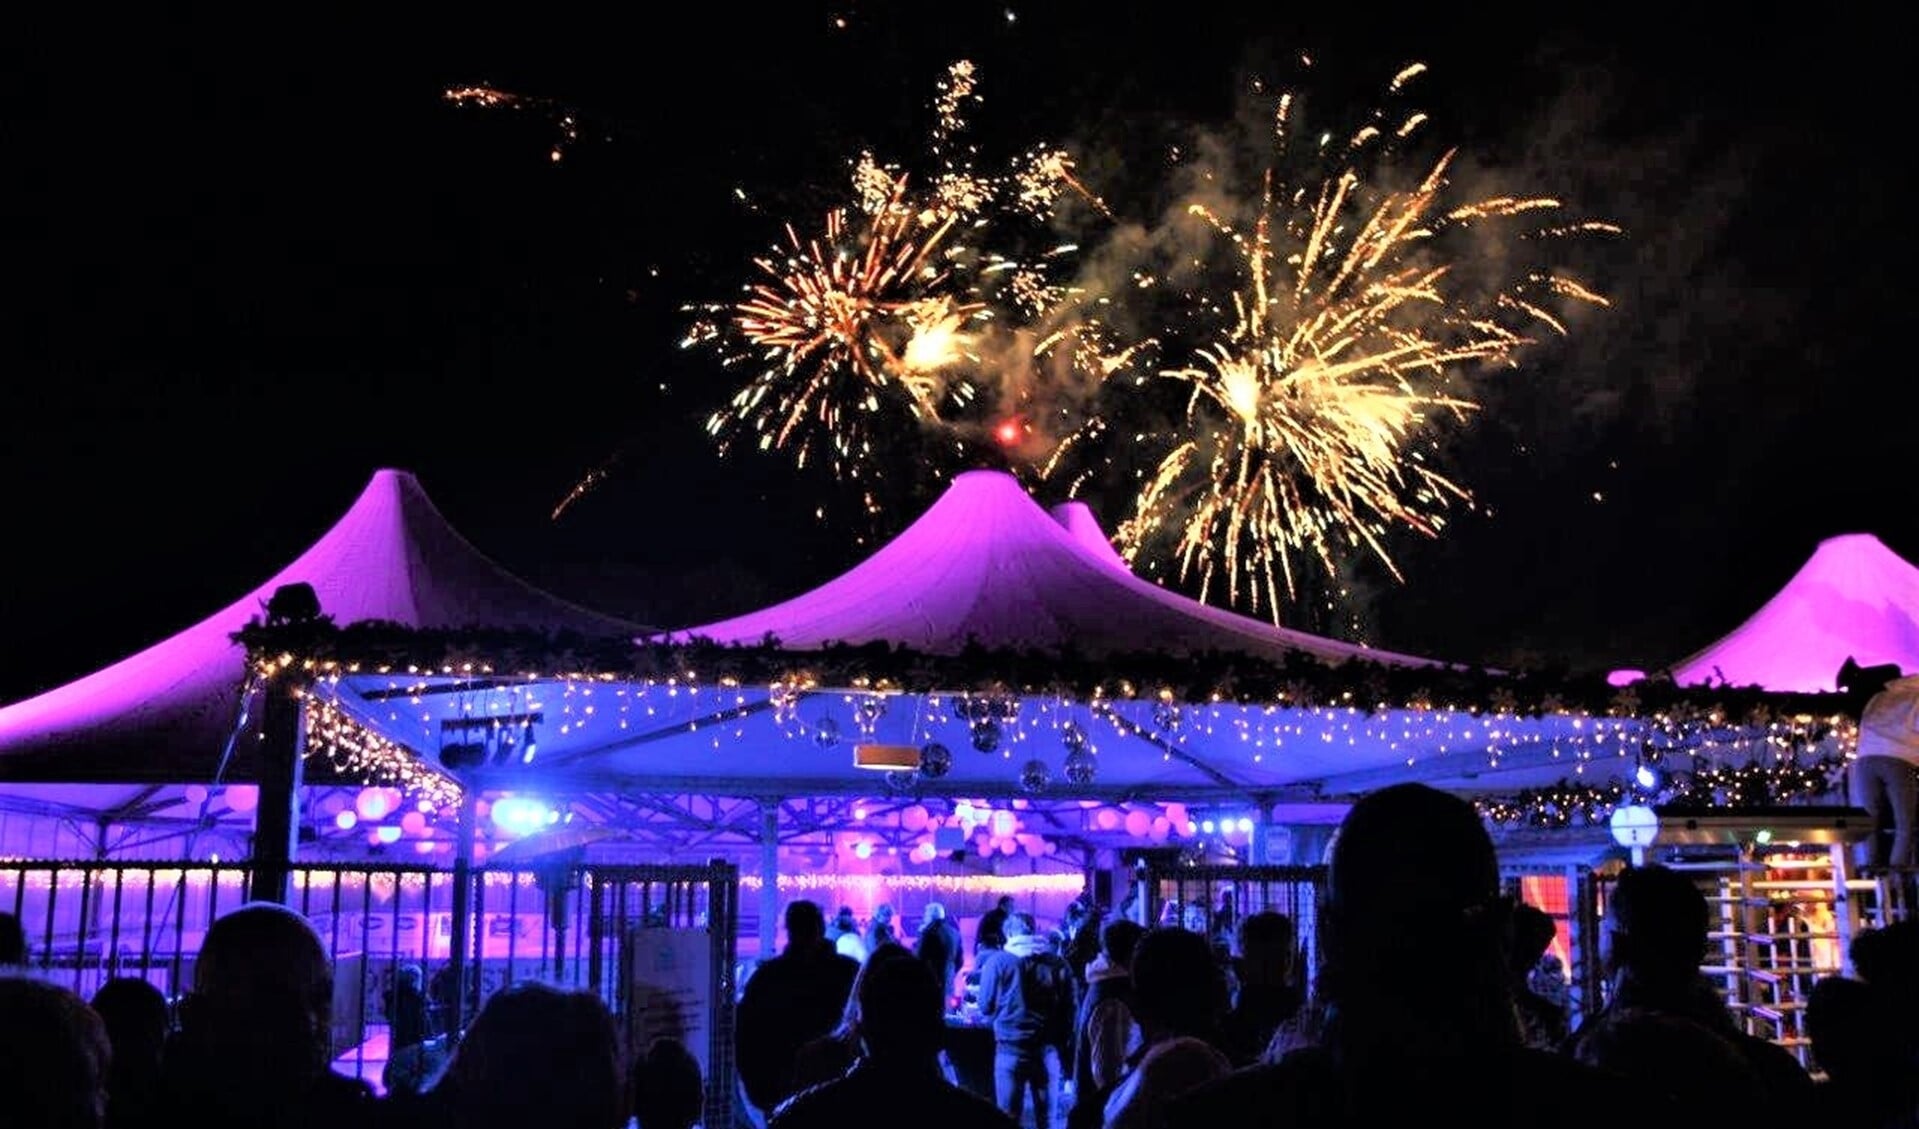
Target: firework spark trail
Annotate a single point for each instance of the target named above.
(903, 310)
(565, 119)
(1306, 420)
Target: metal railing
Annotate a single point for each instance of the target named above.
(657, 943)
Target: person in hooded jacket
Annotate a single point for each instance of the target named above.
(1027, 990)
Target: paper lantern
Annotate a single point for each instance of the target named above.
(1004, 823)
(371, 804)
(243, 797)
(1106, 819)
(1007, 846)
(1138, 824)
(346, 820)
(196, 794)
(413, 823)
(914, 817)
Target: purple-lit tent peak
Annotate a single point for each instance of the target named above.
(986, 564)
(163, 715)
(1854, 598)
(1077, 519)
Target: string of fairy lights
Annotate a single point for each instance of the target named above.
(1583, 803)
(1020, 710)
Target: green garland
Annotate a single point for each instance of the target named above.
(1574, 802)
(1300, 682)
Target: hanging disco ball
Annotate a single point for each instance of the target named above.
(985, 735)
(1073, 737)
(936, 760)
(1166, 715)
(826, 733)
(1034, 776)
(1081, 766)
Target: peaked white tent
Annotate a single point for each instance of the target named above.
(164, 715)
(1854, 598)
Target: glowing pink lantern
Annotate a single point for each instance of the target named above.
(1138, 824)
(413, 823)
(914, 817)
(196, 794)
(371, 804)
(243, 797)
(1162, 827)
(1106, 819)
(1177, 815)
(1007, 846)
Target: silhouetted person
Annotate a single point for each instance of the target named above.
(1652, 942)
(408, 1066)
(880, 930)
(534, 1055)
(1179, 996)
(1265, 995)
(1027, 990)
(1104, 1031)
(137, 1021)
(668, 1092)
(1416, 997)
(1543, 1023)
(939, 946)
(789, 1000)
(1860, 1044)
(991, 933)
(845, 936)
(13, 942)
(53, 1057)
(1083, 924)
(902, 1024)
(254, 1045)
(834, 1053)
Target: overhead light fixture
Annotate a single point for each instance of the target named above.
(887, 758)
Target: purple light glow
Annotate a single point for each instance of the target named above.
(163, 715)
(986, 563)
(1854, 598)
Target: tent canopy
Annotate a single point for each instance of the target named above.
(986, 565)
(164, 715)
(1854, 598)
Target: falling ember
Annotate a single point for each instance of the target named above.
(1308, 415)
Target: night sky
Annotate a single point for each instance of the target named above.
(253, 264)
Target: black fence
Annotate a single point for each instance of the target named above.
(1210, 898)
(657, 943)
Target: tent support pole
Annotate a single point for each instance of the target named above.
(276, 822)
(460, 942)
(769, 877)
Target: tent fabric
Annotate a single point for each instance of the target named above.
(985, 564)
(164, 714)
(1854, 598)
(1077, 519)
